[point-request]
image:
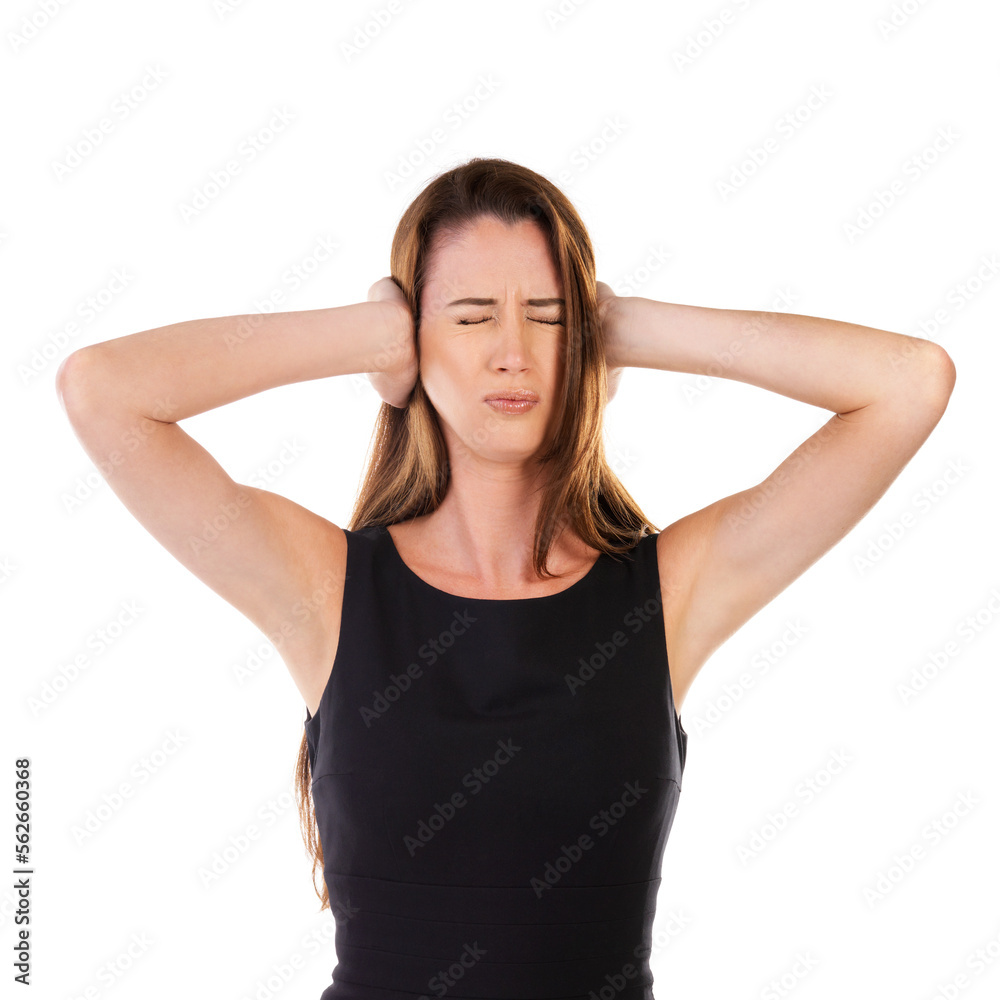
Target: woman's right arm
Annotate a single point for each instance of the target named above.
(259, 551)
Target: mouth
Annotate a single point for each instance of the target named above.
(513, 396)
(512, 400)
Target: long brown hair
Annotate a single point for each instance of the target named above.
(408, 471)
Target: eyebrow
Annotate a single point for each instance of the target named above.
(493, 302)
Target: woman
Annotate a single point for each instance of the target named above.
(493, 746)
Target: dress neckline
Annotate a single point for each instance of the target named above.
(488, 600)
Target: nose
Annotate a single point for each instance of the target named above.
(512, 351)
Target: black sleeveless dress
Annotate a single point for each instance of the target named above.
(494, 783)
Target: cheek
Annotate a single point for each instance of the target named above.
(444, 377)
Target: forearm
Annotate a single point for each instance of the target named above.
(838, 366)
(186, 368)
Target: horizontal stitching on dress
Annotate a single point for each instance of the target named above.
(496, 923)
(443, 958)
(566, 996)
(520, 888)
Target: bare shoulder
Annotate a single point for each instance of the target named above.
(307, 632)
(680, 548)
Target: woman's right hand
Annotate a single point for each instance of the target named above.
(395, 380)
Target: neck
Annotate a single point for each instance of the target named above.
(485, 526)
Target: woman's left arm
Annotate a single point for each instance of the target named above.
(887, 392)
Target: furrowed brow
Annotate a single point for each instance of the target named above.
(492, 302)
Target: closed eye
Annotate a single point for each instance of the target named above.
(476, 322)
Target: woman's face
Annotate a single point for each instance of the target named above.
(512, 336)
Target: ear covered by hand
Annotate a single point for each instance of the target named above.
(397, 374)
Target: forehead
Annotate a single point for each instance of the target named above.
(491, 259)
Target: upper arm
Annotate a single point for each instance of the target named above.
(278, 563)
(723, 563)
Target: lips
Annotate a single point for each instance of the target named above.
(518, 395)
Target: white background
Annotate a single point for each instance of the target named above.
(647, 189)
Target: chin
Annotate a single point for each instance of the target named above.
(496, 451)
(492, 442)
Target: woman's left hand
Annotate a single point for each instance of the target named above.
(609, 310)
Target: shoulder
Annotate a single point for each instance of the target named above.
(311, 626)
(680, 548)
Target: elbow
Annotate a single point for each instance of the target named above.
(940, 376)
(922, 374)
(75, 379)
